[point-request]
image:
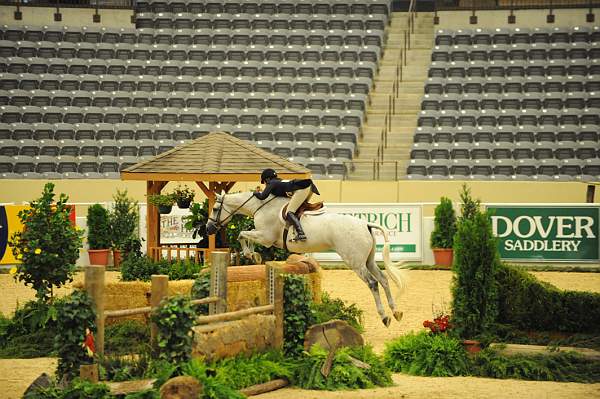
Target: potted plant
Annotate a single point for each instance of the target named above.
(442, 236)
(183, 196)
(164, 202)
(99, 234)
(124, 220)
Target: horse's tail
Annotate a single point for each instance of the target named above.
(399, 277)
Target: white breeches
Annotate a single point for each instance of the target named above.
(298, 198)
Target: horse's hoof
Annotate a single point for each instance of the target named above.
(398, 315)
(386, 320)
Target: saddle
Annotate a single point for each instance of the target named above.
(306, 207)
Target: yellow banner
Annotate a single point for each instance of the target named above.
(9, 224)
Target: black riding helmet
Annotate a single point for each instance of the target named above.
(267, 174)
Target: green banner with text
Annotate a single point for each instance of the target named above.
(547, 233)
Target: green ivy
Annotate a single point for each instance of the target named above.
(74, 316)
(344, 374)
(335, 308)
(297, 314)
(474, 287)
(48, 246)
(438, 355)
(174, 318)
(201, 289)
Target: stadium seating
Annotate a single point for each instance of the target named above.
(292, 77)
(510, 104)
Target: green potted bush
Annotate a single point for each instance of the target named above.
(183, 196)
(442, 236)
(164, 202)
(48, 246)
(99, 234)
(124, 221)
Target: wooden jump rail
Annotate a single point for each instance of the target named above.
(147, 309)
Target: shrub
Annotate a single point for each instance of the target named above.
(527, 303)
(99, 232)
(48, 246)
(124, 219)
(444, 228)
(344, 373)
(174, 319)
(127, 336)
(335, 308)
(438, 355)
(30, 332)
(141, 268)
(474, 288)
(74, 316)
(297, 315)
(244, 371)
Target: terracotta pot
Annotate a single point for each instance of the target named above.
(117, 258)
(443, 257)
(98, 256)
(472, 346)
(164, 209)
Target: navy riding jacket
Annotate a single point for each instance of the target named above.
(282, 188)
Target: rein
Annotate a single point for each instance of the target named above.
(220, 223)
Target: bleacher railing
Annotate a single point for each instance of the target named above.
(448, 5)
(97, 4)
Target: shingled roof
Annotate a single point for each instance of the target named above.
(217, 156)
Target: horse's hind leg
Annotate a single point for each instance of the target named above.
(382, 279)
(368, 278)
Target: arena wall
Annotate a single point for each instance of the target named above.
(89, 191)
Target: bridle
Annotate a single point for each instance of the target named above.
(220, 223)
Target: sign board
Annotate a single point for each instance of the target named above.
(172, 226)
(547, 232)
(402, 221)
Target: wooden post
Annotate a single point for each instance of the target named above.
(160, 289)
(153, 218)
(89, 372)
(211, 204)
(218, 281)
(94, 286)
(275, 297)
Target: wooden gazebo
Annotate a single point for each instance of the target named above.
(215, 162)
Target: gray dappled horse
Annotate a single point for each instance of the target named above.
(352, 238)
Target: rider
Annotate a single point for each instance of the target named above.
(299, 190)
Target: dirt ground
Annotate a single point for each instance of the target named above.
(425, 290)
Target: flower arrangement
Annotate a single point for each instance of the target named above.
(440, 324)
(441, 320)
(183, 196)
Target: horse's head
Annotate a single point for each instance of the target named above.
(215, 221)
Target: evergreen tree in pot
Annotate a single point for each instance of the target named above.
(442, 236)
(124, 221)
(99, 234)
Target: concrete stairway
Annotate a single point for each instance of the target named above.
(407, 104)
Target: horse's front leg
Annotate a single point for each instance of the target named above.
(258, 237)
(254, 236)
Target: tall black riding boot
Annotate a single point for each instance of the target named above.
(293, 219)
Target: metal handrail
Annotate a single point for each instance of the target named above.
(376, 167)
